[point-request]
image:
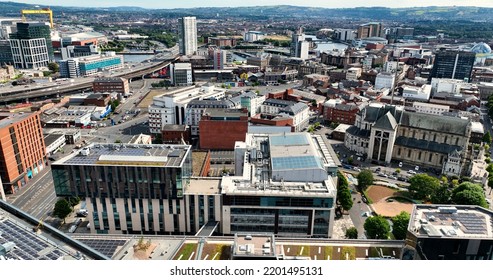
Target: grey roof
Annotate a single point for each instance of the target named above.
(278, 102)
(210, 103)
(372, 114)
(354, 130)
(346, 107)
(435, 123)
(387, 122)
(51, 138)
(294, 109)
(426, 145)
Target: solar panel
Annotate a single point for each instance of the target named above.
(284, 163)
(288, 140)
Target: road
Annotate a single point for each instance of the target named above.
(37, 197)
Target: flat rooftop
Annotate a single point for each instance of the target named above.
(203, 186)
(447, 221)
(254, 245)
(128, 155)
(7, 118)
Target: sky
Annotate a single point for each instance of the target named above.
(239, 3)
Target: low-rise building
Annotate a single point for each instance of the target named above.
(181, 74)
(299, 112)
(450, 232)
(428, 108)
(417, 93)
(54, 142)
(111, 84)
(221, 128)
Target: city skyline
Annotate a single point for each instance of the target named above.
(238, 3)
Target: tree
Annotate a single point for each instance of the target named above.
(62, 209)
(490, 182)
(441, 195)
(422, 186)
(365, 179)
(345, 199)
(377, 227)
(114, 104)
(350, 160)
(53, 66)
(487, 138)
(469, 193)
(74, 200)
(352, 233)
(400, 224)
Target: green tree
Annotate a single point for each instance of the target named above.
(365, 179)
(490, 182)
(53, 66)
(441, 195)
(469, 193)
(487, 138)
(377, 227)
(114, 104)
(422, 186)
(345, 199)
(400, 224)
(352, 233)
(62, 209)
(74, 200)
(489, 168)
(350, 160)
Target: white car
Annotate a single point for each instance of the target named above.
(400, 164)
(411, 172)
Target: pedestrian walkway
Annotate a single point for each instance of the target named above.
(340, 226)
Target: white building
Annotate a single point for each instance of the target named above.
(181, 74)
(299, 47)
(428, 108)
(452, 86)
(417, 93)
(344, 34)
(171, 108)
(29, 53)
(252, 36)
(283, 172)
(252, 102)
(54, 142)
(390, 66)
(353, 73)
(187, 40)
(90, 65)
(220, 59)
(299, 112)
(384, 80)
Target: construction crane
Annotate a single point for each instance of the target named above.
(42, 11)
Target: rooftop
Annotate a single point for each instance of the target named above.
(254, 245)
(7, 118)
(445, 221)
(203, 186)
(128, 155)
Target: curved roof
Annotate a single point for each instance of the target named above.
(481, 48)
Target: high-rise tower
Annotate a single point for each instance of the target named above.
(187, 35)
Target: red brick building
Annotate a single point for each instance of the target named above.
(221, 128)
(111, 84)
(341, 113)
(22, 149)
(175, 134)
(97, 99)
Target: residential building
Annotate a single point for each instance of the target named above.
(22, 149)
(450, 232)
(261, 62)
(220, 57)
(187, 35)
(7, 72)
(111, 84)
(222, 41)
(181, 74)
(428, 108)
(215, 122)
(90, 65)
(372, 29)
(452, 64)
(171, 108)
(316, 80)
(417, 93)
(385, 80)
(252, 36)
(299, 47)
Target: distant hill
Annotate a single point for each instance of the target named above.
(285, 11)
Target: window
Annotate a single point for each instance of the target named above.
(409, 153)
(445, 139)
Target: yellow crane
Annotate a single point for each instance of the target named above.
(42, 11)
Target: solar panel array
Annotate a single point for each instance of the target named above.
(471, 223)
(107, 247)
(27, 245)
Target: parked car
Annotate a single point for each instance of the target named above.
(411, 172)
(378, 169)
(393, 177)
(400, 164)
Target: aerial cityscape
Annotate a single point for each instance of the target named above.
(273, 131)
